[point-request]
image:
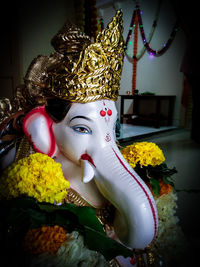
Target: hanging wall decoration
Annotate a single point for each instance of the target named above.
(137, 22)
(165, 45)
(128, 42)
(146, 41)
(100, 23)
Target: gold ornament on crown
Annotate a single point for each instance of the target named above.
(96, 73)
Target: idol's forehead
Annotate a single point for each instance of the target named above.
(92, 109)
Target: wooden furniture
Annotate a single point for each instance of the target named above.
(156, 116)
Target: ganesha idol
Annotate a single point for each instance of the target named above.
(66, 110)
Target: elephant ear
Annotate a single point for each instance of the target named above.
(37, 126)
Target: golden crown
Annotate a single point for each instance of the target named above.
(88, 71)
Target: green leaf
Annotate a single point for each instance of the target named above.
(21, 202)
(36, 218)
(155, 184)
(86, 215)
(25, 213)
(105, 245)
(157, 172)
(168, 180)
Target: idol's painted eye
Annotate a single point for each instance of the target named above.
(81, 129)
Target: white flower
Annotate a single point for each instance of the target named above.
(71, 253)
(170, 241)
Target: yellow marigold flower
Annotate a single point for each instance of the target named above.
(37, 176)
(143, 153)
(44, 239)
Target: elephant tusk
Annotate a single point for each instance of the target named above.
(88, 171)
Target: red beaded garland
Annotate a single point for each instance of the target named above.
(135, 48)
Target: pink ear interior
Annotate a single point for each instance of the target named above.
(37, 126)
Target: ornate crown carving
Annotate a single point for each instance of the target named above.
(95, 72)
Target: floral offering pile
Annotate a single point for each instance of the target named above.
(38, 228)
(148, 160)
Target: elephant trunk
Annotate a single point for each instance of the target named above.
(136, 219)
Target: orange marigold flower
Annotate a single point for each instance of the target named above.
(165, 188)
(44, 239)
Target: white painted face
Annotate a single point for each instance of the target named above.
(86, 129)
(86, 137)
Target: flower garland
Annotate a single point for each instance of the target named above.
(170, 241)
